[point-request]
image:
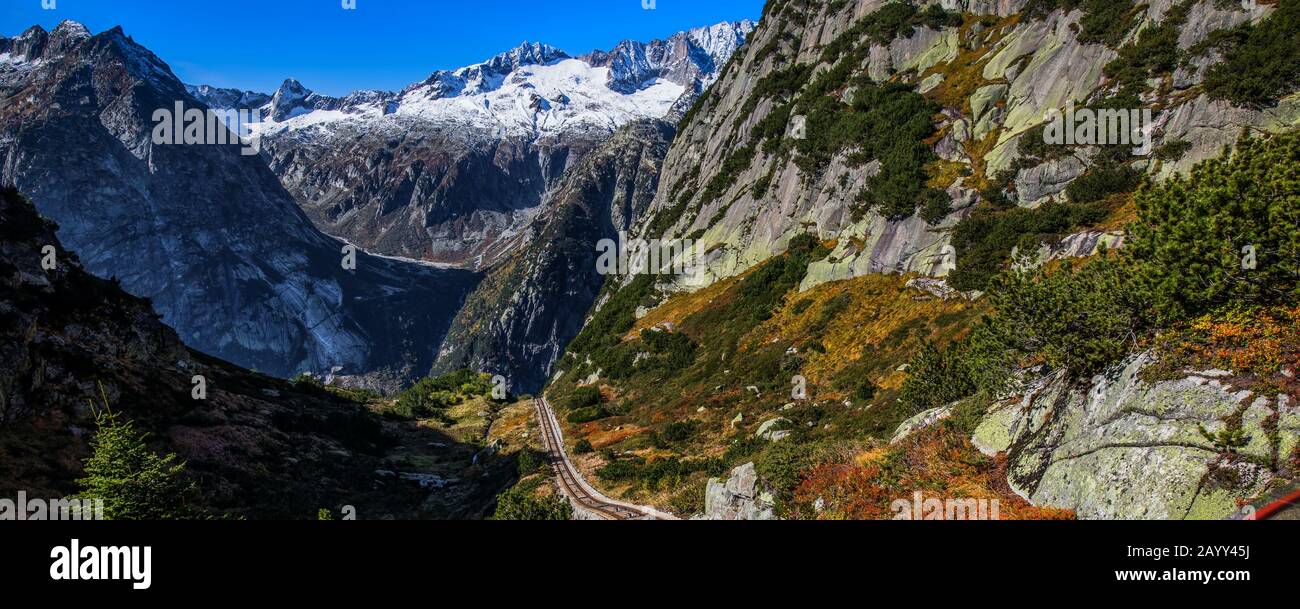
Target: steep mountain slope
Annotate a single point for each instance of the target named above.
(453, 168)
(258, 447)
(206, 233)
(993, 71)
(534, 302)
(855, 140)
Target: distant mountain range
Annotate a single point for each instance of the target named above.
(451, 170)
(533, 89)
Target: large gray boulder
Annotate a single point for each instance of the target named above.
(739, 497)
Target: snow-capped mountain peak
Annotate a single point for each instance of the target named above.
(533, 89)
(721, 40)
(528, 53)
(290, 100)
(67, 33)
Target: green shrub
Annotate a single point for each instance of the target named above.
(657, 474)
(1173, 151)
(777, 84)
(832, 309)
(981, 363)
(865, 391)
(430, 396)
(604, 332)
(530, 462)
(679, 431)
(668, 352)
(737, 162)
(583, 447)
(1261, 61)
(1103, 21)
(1193, 232)
(1103, 180)
(1080, 318)
(1154, 53)
(781, 467)
(587, 415)
(1108, 21)
(1184, 257)
(885, 24)
(520, 502)
(885, 122)
(583, 397)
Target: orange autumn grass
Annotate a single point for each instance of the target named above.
(939, 462)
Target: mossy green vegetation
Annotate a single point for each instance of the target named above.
(430, 397)
(523, 502)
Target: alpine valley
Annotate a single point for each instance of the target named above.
(902, 285)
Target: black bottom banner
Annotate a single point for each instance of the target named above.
(240, 560)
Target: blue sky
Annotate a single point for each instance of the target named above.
(382, 44)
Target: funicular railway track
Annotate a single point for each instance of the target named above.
(571, 482)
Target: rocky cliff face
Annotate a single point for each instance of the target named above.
(214, 97)
(205, 232)
(693, 59)
(994, 71)
(531, 305)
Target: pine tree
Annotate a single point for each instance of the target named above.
(133, 482)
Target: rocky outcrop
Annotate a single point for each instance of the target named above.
(1119, 447)
(1115, 447)
(739, 497)
(1034, 184)
(769, 430)
(691, 58)
(921, 421)
(215, 97)
(937, 288)
(1076, 245)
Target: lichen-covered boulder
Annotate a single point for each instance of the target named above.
(739, 497)
(1119, 447)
